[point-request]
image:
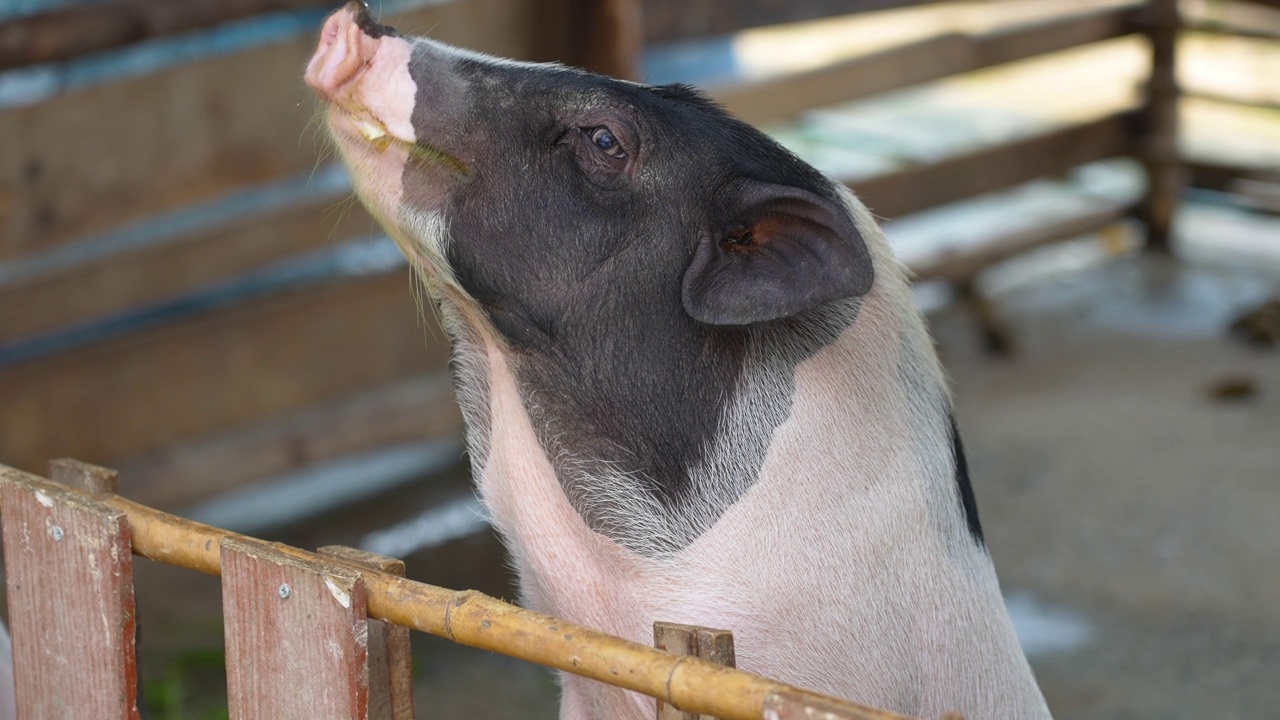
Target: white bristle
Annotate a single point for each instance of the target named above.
(369, 130)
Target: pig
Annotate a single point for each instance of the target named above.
(694, 383)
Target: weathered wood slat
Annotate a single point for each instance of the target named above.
(92, 479)
(669, 20)
(185, 473)
(133, 278)
(1003, 166)
(296, 629)
(701, 642)
(66, 32)
(107, 155)
(69, 574)
(934, 58)
(390, 661)
(136, 394)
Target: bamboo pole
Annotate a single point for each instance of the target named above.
(472, 618)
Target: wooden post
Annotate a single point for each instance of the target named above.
(713, 645)
(1157, 131)
(295, 635)
(69, 575)
(997, 336)
(89, 478)
(390, 658)
(608, 37)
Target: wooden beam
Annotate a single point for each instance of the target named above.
(126, 280)
(1261, 103)
(670, 20)
(785, 97)
(185, 473)
(962, 265)
(108, 155)
(1264, 3)
(138, 393)
(1222, 176)
(996, 168)
(80, 29)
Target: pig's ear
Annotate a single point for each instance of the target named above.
(789, 252)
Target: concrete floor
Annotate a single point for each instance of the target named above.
(1122, 498)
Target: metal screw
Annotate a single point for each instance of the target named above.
(285, 591)
(56, 532)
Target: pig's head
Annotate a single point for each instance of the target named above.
(628, 248)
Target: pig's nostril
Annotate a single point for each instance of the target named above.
(333, 26)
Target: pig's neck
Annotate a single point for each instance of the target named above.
(853, 521)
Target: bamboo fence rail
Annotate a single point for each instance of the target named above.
(472, 618)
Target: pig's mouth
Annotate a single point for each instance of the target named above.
(366, 129)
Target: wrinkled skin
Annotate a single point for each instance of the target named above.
(695, 387)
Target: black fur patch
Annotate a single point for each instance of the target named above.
(968, 504)
(577, 258)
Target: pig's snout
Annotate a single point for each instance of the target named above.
(361, 69)
(345, 48)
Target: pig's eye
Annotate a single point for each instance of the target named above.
(604, 139)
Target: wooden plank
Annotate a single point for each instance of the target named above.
(133, 278)
(670, 20)
(185, 473)
(963, 265)
(135, 394)
(69, 575)
(709, 644)
(1223, 176)
(66, 32)
(390, 658)
(782, 98)
(1156, 130)
(295, 635)
(996, 168)
(785, 97)
(104, 156)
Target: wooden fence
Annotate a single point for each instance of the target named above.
(331, 627)
(182, 279)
